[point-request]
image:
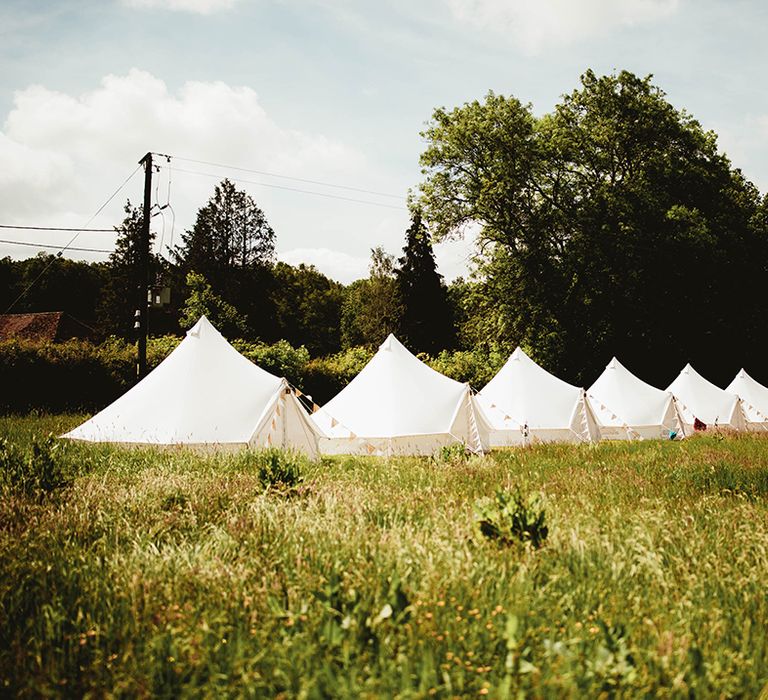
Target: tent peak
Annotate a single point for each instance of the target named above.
(387, 344)
(202, 323)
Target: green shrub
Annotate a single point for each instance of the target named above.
(477, 367)
(280, 358)
(447, 454)
(36, 473)
(277, 469)
(511, 517)
(327, 376)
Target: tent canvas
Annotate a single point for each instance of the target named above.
(754, 400)
(627, 408)
(526, 403)
(698, 398)
(205, 393)
(399, 405)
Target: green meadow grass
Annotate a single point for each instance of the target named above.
(168, 573)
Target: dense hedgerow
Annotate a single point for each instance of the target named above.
(77, 375)
(174, 574)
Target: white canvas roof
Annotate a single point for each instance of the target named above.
(524, 401)
(699, 398)
(626, 407)
(205, 393)
(399, 405)
(754, 398)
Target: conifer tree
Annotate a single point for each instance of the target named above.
(426, 324)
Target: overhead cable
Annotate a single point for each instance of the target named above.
(55, 247)
(57, 228)
(292, 189)
(287, 177)
(72, 240)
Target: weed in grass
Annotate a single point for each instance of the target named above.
(37, 472)
(510, 517)
(456, 453)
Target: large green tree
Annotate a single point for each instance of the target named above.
(426, 323)
(230, 231)
(233, 247)
(308, 308)
(372, 308)
(612, 225)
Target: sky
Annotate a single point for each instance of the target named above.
(320, 103)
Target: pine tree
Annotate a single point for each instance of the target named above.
(230, 232)
(426, 323)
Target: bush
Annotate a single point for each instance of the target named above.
(477, 367)
(327, 376)
(447, 454)
(37, 473)
(280, 358)
(510, 518)
(279, 469)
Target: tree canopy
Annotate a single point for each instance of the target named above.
(612, 225)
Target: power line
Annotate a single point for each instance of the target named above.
(72, 240)
(56, 247)
(57, 228)
(292, 189)
(285, 177)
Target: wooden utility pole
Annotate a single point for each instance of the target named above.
(144, 268)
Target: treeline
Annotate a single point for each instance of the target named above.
(225, 268)
(611, 226)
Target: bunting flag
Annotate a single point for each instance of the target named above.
(352, 436)
(277, 409)
(299, 392)
(315, 408)
(269, 440)
(370, 448)
(334, 422)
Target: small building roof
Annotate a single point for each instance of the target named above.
(51, 326)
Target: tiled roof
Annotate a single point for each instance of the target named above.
(50, 326)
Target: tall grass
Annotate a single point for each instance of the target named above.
(166, 573)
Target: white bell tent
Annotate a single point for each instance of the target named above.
(698, 398)
(754, 400)
(627, 408)
(205, 393)
(398, 405)
(525, 403)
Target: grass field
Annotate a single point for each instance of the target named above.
(150, 573)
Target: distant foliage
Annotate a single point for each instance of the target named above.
(477, 366)
(279, 358)
(326, 376)
(203, 301)
(510, 517)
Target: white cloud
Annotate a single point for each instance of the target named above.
(202, 7)
(63, 155)
(533, 24)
